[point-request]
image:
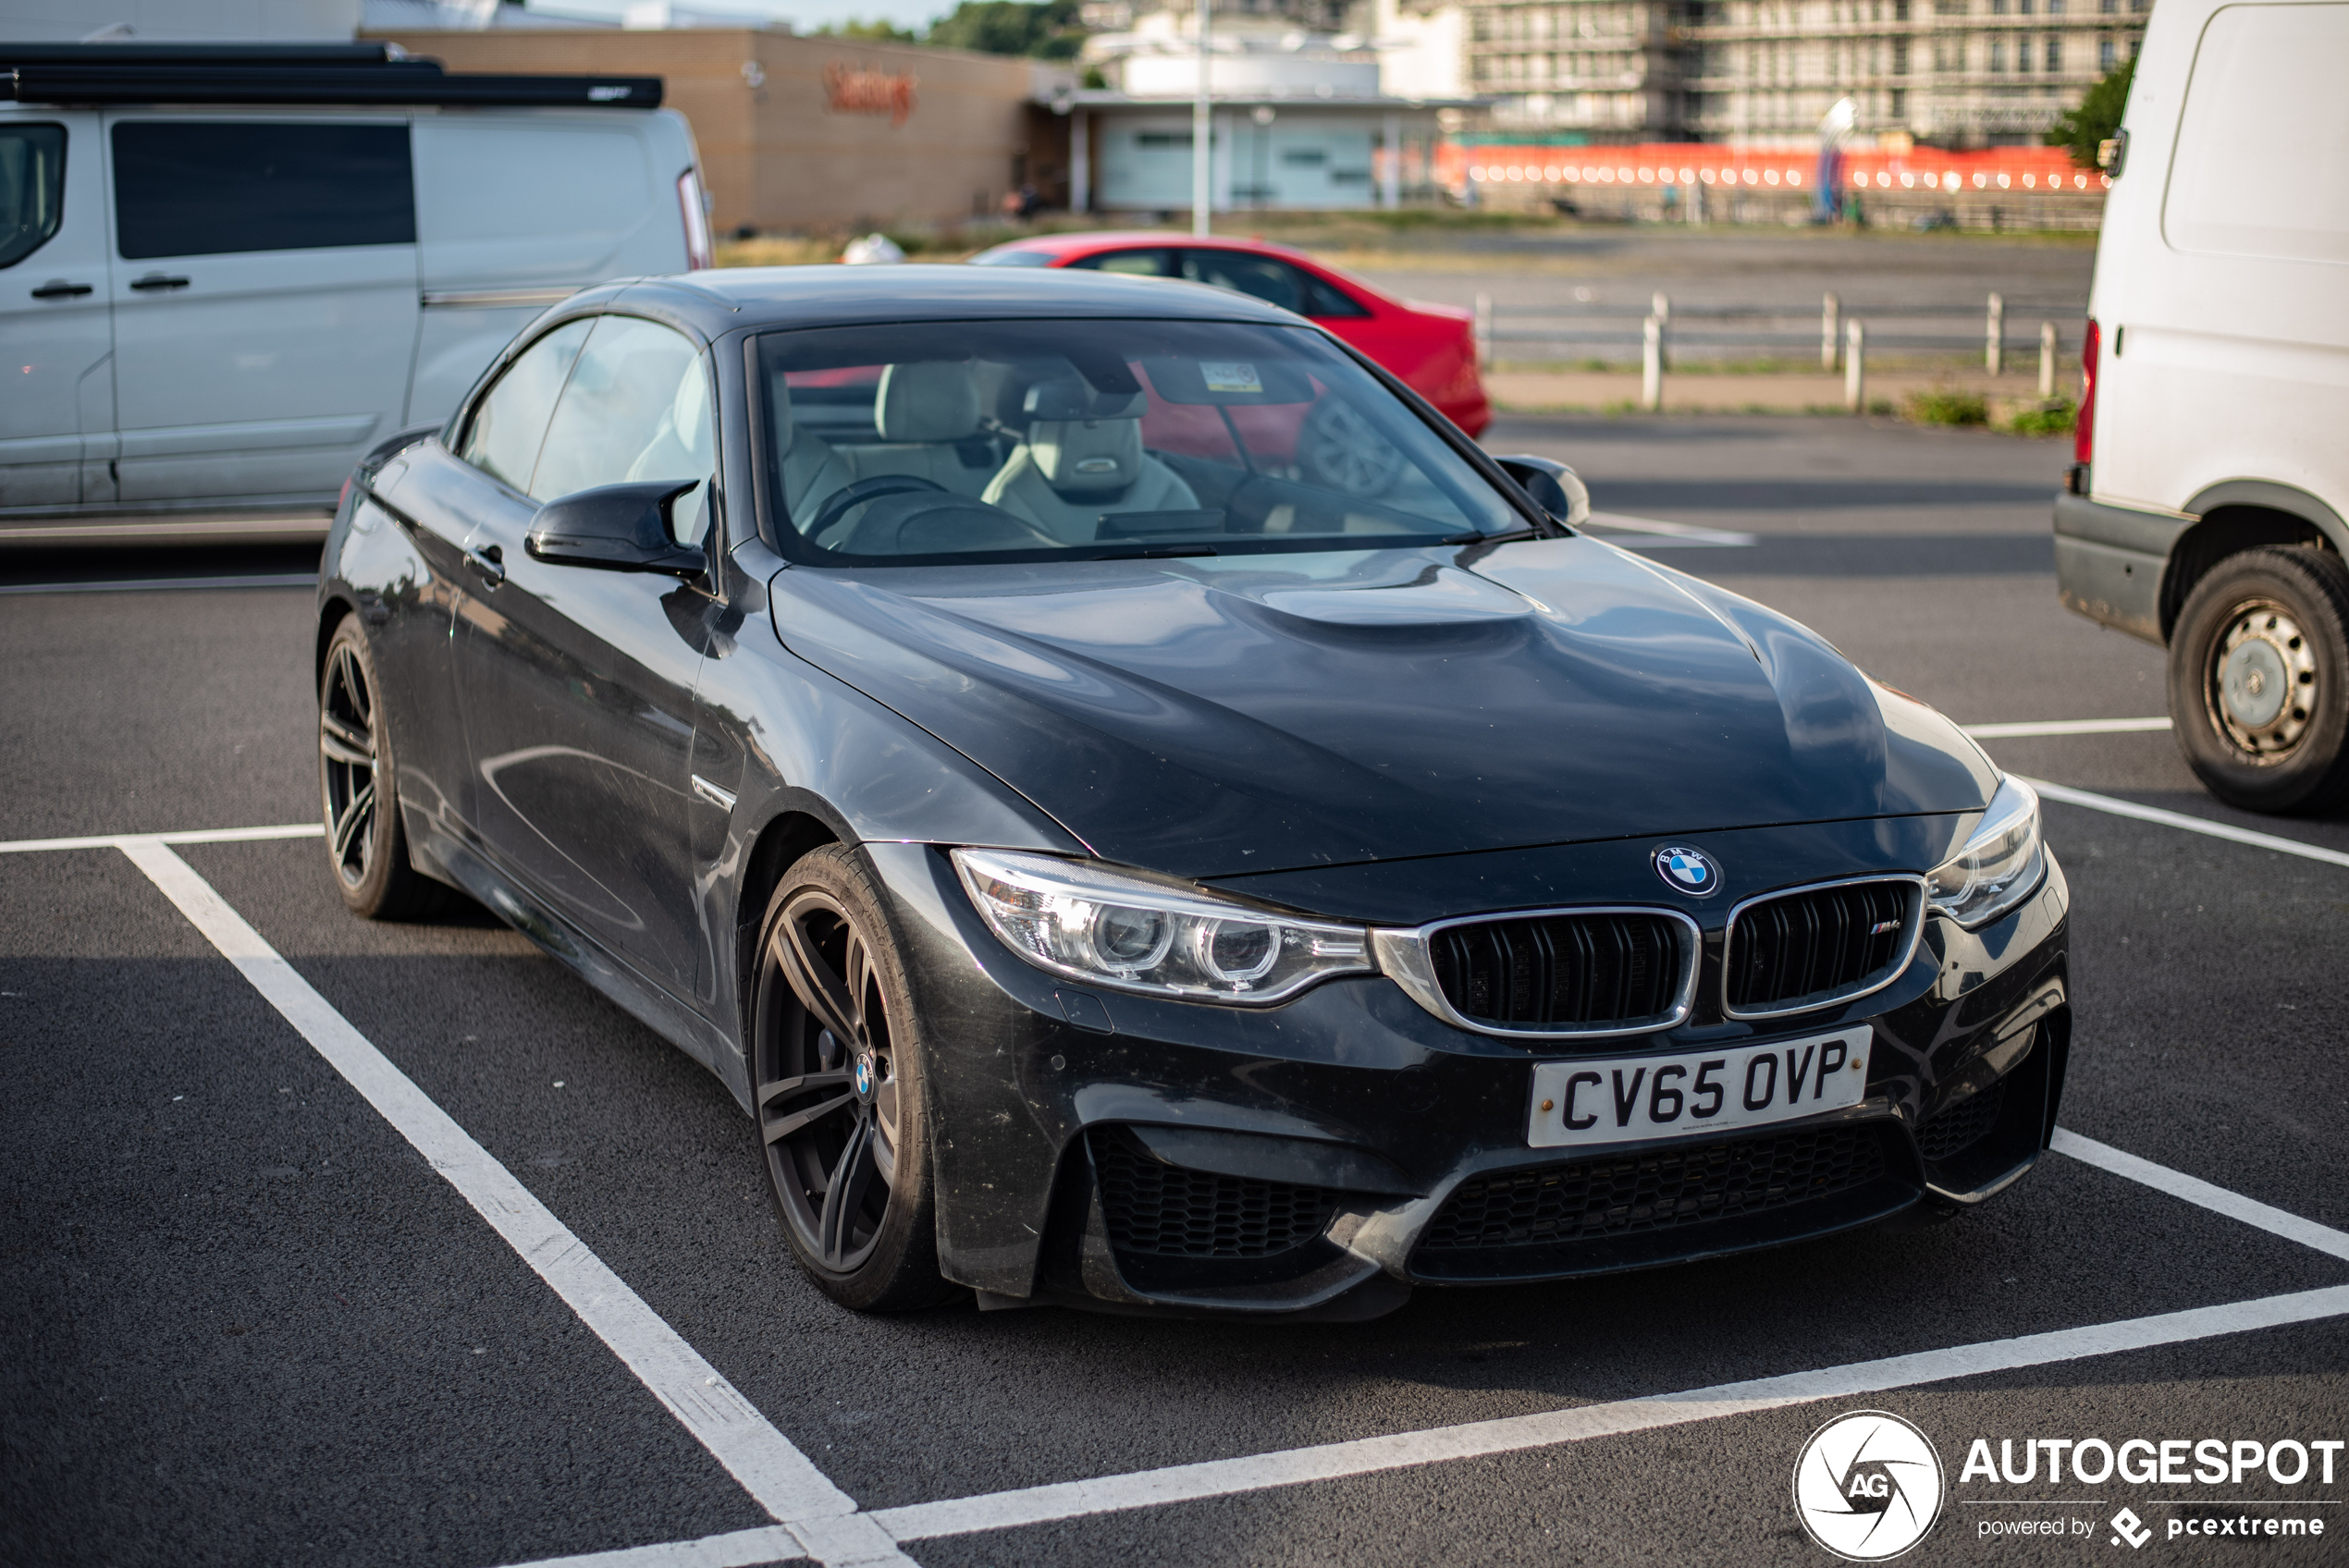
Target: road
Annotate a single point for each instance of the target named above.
(247, 1322)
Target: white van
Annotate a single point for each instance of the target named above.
(227, 272)
(2206, 509)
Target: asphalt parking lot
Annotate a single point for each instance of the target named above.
(332, 1243)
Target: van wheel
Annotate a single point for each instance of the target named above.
(2259, 680)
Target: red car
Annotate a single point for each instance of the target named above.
(1431, 349)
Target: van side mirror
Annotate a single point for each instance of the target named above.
(1554, 487)
(618, 527)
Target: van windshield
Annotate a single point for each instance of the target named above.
(943, 441)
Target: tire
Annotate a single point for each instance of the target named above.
(2259, 680)
(839, 1094)
(366, 845)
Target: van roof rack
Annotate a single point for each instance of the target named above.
(291, 74)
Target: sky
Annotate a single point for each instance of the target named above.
(805, 15)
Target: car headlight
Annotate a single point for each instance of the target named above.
(1122, 932)
(1999, 866)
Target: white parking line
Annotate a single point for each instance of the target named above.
(822, 1517)
(197, 835)
(1668, 535)
(1224, 1478)
(2066, 727)
(2070, 796)
(737, 1549)
(2194, 1190)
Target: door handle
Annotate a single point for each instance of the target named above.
(488, 563)
(58, 288)
(156, 283)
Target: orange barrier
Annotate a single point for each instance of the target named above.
(2041, 170)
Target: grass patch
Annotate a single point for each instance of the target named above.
(2053, 417)
(1945, 406)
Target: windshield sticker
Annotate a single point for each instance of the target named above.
(1227, 375)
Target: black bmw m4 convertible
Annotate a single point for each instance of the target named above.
(1144, 814)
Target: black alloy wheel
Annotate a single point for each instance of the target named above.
(837, 1088)
(2259, 680)
(364, 841)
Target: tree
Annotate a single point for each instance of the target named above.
(876, 32)
(1045, 30)
(2097, 120)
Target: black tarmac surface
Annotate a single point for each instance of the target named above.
(245, 1323)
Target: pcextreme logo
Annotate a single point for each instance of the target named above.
(1868, 1486)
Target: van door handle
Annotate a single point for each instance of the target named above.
(58, 288)
(488, 563)
(154, 283)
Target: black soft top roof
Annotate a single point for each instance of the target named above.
(287, 74)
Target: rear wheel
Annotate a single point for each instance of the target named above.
(365, 844)
(841, 1099)
(2259, 680)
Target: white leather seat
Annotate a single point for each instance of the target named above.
(927, 416)
(1069, 471)
(812, 469)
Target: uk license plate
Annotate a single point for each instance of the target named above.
(1578, 1104)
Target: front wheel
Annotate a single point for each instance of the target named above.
(2259, 680)
(841, 1104)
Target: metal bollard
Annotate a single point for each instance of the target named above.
(2047, 359)
(1483, 331)
(1855, 367)
(1830, 320)
(1652, 366)
(1994, 343)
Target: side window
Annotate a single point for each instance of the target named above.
(1134, 263)
(1274, 282)
(32, 182)
(205, 187)
(636, 407)
(1326, 299)
(509, 424)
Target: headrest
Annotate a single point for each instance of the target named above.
(1086, 456)
(932, 401)
(1067, 397)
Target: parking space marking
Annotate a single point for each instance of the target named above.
(2194, 1190)
(1183, 1483)
(736, 1549)
(1663, 535)
(2065, 727)
(2070, 796)
(770, 1467)
(196, 836)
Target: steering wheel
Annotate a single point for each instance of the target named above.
(863, 490)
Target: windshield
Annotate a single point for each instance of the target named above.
(1027, 439)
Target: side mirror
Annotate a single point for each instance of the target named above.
(618, 527)
(1554, 487)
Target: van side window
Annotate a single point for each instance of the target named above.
(205, 187)
(636, 407)
(33, 181)
(510, 422)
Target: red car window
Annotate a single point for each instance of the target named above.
(1133, 263)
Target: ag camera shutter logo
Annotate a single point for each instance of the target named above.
(1868, 1486)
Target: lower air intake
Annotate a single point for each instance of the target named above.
(1161, 1211)
(1963, 1124)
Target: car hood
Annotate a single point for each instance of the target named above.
(1212, 715)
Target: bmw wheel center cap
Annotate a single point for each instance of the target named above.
(1688, 871)
(861, 1076)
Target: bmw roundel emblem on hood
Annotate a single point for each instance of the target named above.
(1690, 871)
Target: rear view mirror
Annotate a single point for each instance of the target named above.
(1554, 487)
(618, 527)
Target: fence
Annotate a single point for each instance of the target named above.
(1841, 336)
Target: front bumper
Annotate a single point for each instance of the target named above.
(1323, 1157)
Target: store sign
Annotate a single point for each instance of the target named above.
(860, 90)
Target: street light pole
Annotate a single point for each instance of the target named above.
(1202, 180)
